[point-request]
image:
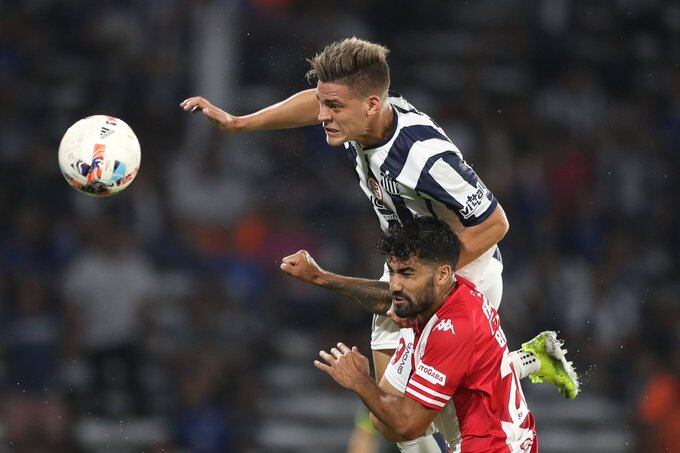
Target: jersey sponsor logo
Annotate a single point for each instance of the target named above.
(445, 324)
(431, 374)
(390, 217)
(406, 353)
(494, 322)
(473, 201)
(390, 185)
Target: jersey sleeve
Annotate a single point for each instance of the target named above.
(446, 178)
(398, 369)
(444, 363)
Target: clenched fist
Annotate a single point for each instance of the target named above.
(217, 116)
(302, 266)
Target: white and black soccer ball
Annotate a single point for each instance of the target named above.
(99, 155)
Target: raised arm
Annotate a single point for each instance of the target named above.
(301, 109)
(373, 295)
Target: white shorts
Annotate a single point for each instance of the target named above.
(385, 333)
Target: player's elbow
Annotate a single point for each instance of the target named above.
(405, 431)
(502, 223)
(388, 434)
(411, 431)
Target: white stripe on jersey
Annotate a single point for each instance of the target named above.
(429, 390)
(424, 398)
(418, 156)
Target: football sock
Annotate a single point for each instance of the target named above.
(525, 363)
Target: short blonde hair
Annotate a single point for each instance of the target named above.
(359, 64)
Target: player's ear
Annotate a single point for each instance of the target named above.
(444, 274)
(374, 105)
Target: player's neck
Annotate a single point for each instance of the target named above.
(443, 296)
(380, 130)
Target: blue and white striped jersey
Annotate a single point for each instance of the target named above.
(418, 171)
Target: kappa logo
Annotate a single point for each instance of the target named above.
(473, 201)
(445, 324)
(431, 374)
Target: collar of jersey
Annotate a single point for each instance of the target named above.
(395, 122)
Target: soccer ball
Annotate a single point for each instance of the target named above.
(99, 155)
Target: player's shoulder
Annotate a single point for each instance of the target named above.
(462, 298)
(457, 310)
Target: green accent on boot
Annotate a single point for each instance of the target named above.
(554, 367)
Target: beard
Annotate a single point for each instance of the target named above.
(410, 307)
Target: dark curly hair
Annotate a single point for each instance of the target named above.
(426, 238)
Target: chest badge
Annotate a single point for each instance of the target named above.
(374, 187)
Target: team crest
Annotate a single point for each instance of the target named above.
(374, 187)
(400, 351)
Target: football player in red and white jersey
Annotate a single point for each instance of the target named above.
(461, 376)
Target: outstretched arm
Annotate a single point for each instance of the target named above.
(373, 295)
(301, 109)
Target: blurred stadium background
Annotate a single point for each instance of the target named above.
(158, 320)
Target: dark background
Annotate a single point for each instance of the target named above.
(158, 320)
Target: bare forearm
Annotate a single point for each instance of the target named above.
(301, 109)
(387, 433)
(476, 240)
(394, 418)
(373, 295)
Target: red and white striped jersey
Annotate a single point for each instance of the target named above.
(460, 365)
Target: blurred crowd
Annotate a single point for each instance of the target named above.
(165, 301)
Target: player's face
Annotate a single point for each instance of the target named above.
(412, 286)
(342, 113)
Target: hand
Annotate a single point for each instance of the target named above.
(217, 116)
(346, 366)
(302, 266)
